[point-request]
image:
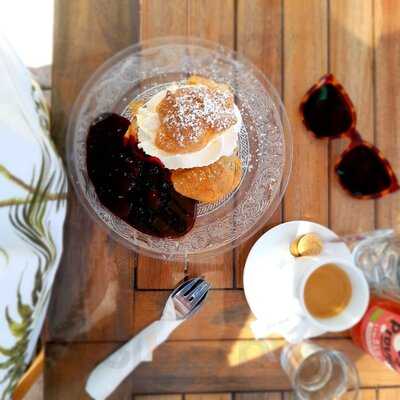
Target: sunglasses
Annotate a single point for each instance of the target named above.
(362, 170)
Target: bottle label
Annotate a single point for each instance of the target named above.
(382, 336)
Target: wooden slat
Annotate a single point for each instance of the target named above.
(259, 396)
(213, 20)
(83, 307)
(259, 38)
(158, 397)
(217, 269)
(225, 315)
(387, 102)
(239, 366)
(161, 18)
(389, 394)
(305, 60)
(200, 366)
(66, 381)
(351, 61)
(369, 394)
(365, 394)
(92, 297)
(158, 274)
(209, 396)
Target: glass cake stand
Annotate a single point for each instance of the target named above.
(265, 145)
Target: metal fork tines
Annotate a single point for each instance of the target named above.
(189, 298)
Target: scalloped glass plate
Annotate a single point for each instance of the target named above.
(265, 146)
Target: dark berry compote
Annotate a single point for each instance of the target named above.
(135, 187)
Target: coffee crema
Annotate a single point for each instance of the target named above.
(327, 291)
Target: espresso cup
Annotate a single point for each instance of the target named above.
(356, 305)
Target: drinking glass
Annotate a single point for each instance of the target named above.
(317, 373)
(378, 256)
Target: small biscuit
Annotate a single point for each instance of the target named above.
(294, 251)
(309, 244)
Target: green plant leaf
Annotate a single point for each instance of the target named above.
(7, 364)
(17, 328)
(28, 220)
(6, 352)
(24, 310)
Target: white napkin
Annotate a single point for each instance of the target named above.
(293, 326)
(109, 373)
(286, 317)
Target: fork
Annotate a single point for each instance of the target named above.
(182, 303)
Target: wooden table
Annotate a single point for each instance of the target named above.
(104, 293)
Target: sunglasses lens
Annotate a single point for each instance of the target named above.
(326, 112)
(362, 172)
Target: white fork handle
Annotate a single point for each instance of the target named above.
(114, 369)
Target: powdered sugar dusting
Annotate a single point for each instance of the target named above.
(188, 114)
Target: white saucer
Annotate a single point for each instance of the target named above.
(264, 287)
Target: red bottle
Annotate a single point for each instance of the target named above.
(378, 332)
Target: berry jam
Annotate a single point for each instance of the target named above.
(135, 187)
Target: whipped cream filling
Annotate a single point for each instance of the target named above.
(148, 121)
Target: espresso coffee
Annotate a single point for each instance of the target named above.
(327, 291)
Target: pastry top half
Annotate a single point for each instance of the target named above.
(193, 128)
(189, 124)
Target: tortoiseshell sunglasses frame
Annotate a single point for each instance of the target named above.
(352, 134)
